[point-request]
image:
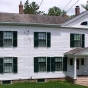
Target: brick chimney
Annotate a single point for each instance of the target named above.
(77, 10)
(64, 14)
(21, 8)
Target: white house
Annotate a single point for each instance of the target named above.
(43, 48)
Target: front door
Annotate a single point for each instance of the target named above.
(80, 66)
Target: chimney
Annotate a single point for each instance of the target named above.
(64, 14)
(77, 10)
(21, 8)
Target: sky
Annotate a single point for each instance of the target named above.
(12, 6)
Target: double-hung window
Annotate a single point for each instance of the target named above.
(8, 38)
(8, 65)
(42, 39)
(77, 40)
(42, 63)
(58, 63)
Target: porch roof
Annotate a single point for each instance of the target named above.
(76, 51)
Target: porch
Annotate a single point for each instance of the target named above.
(77, 65)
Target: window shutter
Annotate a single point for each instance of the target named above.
(35, 39)
(83, 40)
(1, 38)
(48, 64)
(48, 39)
(35, 64)
(71, 40)
(14, 38)
(52, 64)
(1, 65)
(64, 63)
(15, 68)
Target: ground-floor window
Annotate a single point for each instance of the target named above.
(43, 64)
(8, 65)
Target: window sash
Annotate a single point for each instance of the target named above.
(42, 66)
(58, 66)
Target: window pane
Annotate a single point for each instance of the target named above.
(77, 43)
(42, 36)
(42, 43)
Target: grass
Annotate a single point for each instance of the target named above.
(57, 84)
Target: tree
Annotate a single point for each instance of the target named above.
(54, 11)
(26, 8)
(31, 8)
(85, 6)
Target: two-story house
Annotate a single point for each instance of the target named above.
(43, 48)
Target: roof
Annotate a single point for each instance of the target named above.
(30, 18)
(74, 51)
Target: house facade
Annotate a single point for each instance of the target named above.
(40, 48)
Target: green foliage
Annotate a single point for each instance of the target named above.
(57, 84)
(54, 11)
(31, 8)
(85, 6)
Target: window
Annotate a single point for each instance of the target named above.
(8, 65)
(58, 64)
(8, 38)
(42, 39)
(42, 63)
(84, 23)
(77, 40)
(71, 61)
(49, 64)
(82, 61)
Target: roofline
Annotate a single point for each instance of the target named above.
(38, 25)
(29, 24)
(75, 18)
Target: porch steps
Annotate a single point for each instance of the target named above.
(82, 80)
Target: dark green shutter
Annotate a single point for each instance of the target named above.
(48, 64)
(1, 65)
(48, 39)
(15, 68)
(14, 38)
(35, 64)
(71, 40)
(1, 38)
(64, 63)
(83, 40)
(35, 39)
(52, 63)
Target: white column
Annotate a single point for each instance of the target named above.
(75, 68)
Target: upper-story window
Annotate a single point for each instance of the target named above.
(42, 39)
(84, 23)
(8, 38)
(77, 40)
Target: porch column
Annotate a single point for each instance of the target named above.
(75, 68)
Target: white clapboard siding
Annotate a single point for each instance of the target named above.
(60, 43)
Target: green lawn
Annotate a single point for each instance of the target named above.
(58, 84)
